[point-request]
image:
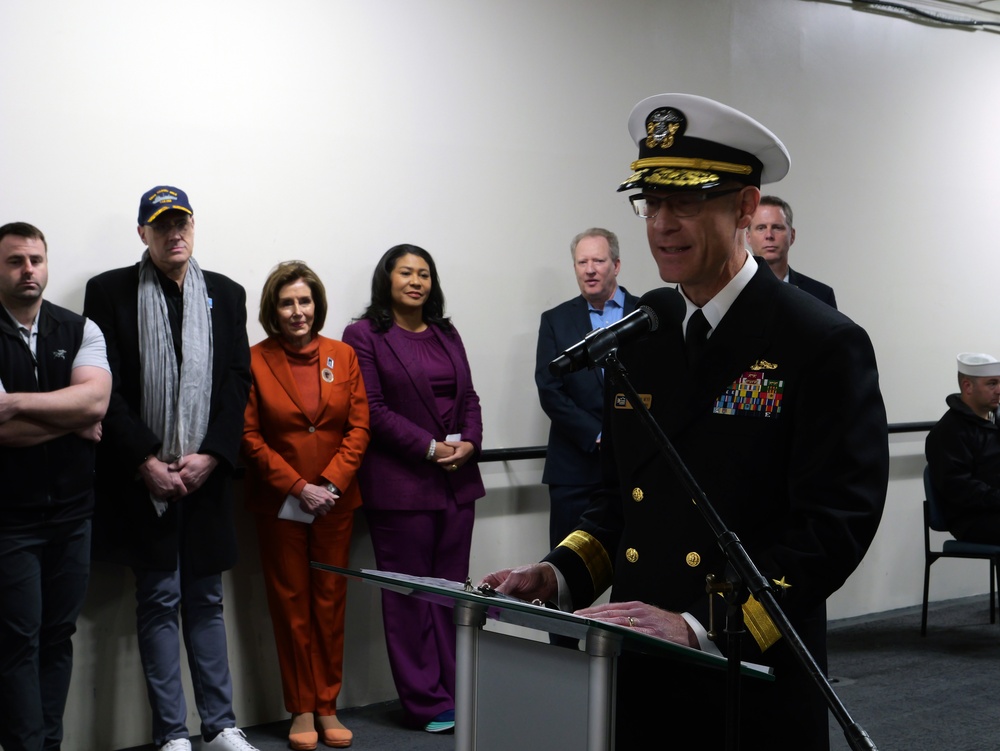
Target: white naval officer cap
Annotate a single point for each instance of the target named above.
(689, 142)
(978, 364)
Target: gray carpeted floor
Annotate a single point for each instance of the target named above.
(908, 693)
(931, 693)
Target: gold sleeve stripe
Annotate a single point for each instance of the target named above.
(594, 557)
(759, 623)
(702, 164)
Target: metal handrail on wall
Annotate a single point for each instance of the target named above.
(538, 452)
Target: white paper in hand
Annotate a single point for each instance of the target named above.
(291, 510)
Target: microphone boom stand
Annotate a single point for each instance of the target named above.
(748, 579)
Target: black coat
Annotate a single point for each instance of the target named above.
(815, 288)
(802, 487)
(126, 527)
(963, 453)
(574, 403)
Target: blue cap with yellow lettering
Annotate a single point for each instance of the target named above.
(162, 198)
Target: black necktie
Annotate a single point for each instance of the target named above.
(697, 337)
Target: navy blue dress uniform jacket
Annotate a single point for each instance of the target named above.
(574, 403)
(126, 527)
(783, 427)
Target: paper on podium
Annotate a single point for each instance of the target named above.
(506, 609)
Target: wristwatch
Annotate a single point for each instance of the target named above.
(333, 488)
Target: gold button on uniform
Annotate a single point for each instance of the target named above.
(631, 555)
(636, 494)
(692, 559)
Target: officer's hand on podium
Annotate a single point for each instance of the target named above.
(536, 581)
(645, 619)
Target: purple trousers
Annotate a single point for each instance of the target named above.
(419, 635)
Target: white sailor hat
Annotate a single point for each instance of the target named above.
(978, 364)
(688, 142)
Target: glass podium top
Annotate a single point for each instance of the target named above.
(505, 609)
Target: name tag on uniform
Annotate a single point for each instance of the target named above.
(622, 402)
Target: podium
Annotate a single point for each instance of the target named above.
(513, 692)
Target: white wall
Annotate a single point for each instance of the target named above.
(490, 132)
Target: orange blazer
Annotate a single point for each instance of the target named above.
(283, 443)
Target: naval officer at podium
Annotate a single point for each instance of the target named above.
(771, 399)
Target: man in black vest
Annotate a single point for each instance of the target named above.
(54, 389)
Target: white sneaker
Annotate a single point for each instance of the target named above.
(230, 739)
(177, 744)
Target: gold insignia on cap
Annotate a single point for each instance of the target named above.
(692, 163)
(594, 557)
(637, 494)
(631, 555)
(663, 125)
(681, 178)
(782, 584)
(678, 172)
(763, 365)
(692, 559)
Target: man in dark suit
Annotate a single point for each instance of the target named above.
(178, 349)
(770, 235)
(574, 402)
(747, 364)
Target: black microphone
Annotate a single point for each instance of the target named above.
(600, 342)
(655, 307)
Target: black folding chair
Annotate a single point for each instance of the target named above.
(952, 549)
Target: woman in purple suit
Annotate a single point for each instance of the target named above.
(419, 477)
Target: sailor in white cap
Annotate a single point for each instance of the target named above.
(963, 452)
(978, 378)
(776, 410)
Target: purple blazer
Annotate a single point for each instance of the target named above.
(395, 474)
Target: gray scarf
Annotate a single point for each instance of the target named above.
(175, 406)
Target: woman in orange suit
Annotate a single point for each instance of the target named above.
(305, 433)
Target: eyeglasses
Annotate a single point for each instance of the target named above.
(679, 204)
(165, 225)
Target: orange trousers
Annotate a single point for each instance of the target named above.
(307, 605)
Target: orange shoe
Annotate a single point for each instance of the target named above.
(302, 736)
(303, 741)
(335, 734)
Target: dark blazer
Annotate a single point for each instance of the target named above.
(815, 288)
(283, 442)
(395, 474)
(798, 474)
(573, 402)
(126, 527)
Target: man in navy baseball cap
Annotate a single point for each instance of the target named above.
(162, 198)
(170, 444)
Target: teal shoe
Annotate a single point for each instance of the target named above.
(442, 723)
